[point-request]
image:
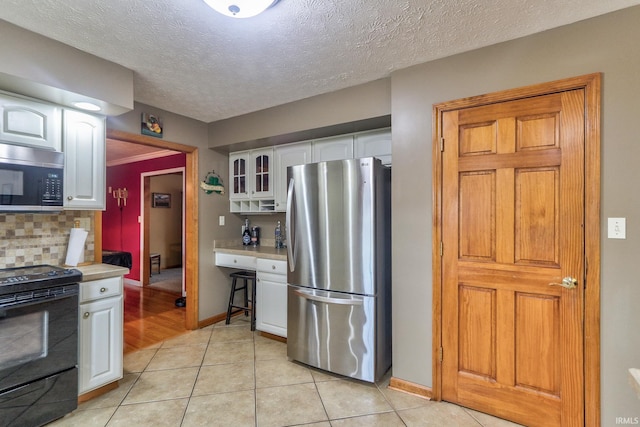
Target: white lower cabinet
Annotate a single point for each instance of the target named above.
(100, 333)
(271, 297)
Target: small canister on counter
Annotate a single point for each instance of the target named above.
(255, 236)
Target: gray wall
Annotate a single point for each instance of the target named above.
(607, 44)
(344, 106)
(43, 68)
(214, 282)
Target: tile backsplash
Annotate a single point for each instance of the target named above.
(40, 238)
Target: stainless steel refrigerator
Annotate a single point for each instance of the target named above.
(339, 259)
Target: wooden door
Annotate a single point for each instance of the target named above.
(513, 208)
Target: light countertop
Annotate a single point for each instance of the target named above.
(266, 250)
(100, 271)
(634, 379)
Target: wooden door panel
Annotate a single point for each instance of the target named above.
(478, 138)
(537, 329)
(477, 342)
(538, 132)
(477, 215)
(512, 209)
(537, 216)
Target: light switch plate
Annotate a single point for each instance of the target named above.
(221, 220)
(617, 228)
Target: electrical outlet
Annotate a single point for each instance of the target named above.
(221, 220)
(617, 228)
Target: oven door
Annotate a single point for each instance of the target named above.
(38, 334)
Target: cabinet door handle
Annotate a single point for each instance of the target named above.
(86, 315)
(103, 290)
(69, 197)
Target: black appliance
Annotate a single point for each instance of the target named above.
(30, 179)
(38, 344)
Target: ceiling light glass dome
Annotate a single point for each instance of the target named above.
(240, 8)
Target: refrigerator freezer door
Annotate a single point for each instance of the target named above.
(333, 331)
(332, 231)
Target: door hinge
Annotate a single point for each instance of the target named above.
(441, 144)
(440, 354)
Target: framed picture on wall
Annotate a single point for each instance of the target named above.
(161, 200)
(151, 125)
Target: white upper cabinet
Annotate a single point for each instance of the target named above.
(251, 178)
(29, 123)
(84, 155)
(334, 148)
(261, 173)
(258, 178)
(375, 143)
(285, 156)
(238, 175)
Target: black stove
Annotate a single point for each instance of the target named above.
(31, 278)
(38, 344)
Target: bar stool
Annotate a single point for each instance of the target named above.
(249, 309)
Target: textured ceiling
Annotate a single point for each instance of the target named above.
(190, 60)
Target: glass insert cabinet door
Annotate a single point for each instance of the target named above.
(262, 173)
(239, 176)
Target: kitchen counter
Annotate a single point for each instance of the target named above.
(100, 271)
(265, 251)
(634, 380)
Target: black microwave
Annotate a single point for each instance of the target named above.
(31, 179)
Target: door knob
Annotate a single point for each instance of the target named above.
(567, 282)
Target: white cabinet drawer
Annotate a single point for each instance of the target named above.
(272, 266)
(101, 288)
(235, 261)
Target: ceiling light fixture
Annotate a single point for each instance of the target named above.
(240, 8)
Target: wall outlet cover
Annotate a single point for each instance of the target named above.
(617, 228)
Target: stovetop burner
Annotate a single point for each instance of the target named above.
(36, 277)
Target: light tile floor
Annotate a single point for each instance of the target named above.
(229, 376)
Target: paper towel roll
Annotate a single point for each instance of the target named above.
(75, 251)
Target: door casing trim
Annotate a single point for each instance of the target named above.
(591, 84)
(191, 245)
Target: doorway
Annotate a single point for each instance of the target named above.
(190, 217)
(517, 186)
(162, 230)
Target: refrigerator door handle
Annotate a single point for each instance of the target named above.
(343, 301)
(291, 227)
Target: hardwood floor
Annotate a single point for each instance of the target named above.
(150, 316)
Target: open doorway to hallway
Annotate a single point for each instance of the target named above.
(162, 228)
